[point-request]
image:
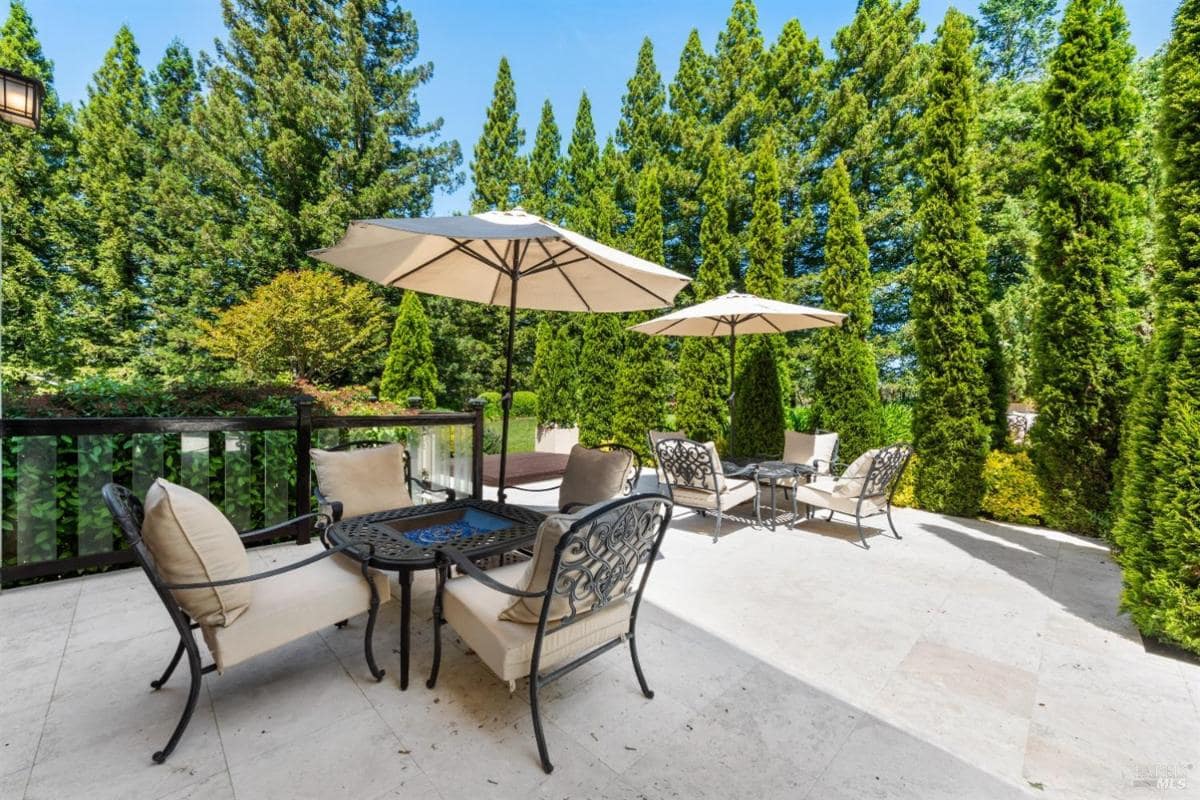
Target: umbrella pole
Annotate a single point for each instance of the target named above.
(732, 370)
(506, 399)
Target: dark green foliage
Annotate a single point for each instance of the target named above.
(1082, 337)
(642, 128)
(409, 370)
(846, 397)
(701, 406)
(951, 420)
(556, 378)
(1157, 528)
(643, 381)
(583, 156)
(599, 362)
(758, 422)
(764, 273)
(498, 170)
(1016, 36)
(543, 175)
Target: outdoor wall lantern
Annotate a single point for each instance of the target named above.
(20, 99)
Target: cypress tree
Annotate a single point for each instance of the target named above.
(599, 363)
(758, 423)
(111, 166)
(642, 128)
(1081, 343)
(643, 384)
(409, 370)
(583, 156)
(950, 422)
(1157, 528)
(700, 402)
(36, 292)
(847, 383)
(688, 133)
(764, 273)
(557, 387)
(497, 170)
(543, 175)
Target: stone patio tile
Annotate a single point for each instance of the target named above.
(214, 787)
(356, 756)
(990, 629)
(12, 784)
(20, 732)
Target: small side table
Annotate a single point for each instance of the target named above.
(776, 471)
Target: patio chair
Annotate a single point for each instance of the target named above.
(363, 477)
(197, 564)
(818, 449)
(695, 479)
(576, 599)
(655, 437)
(596, 474)
(864, 488)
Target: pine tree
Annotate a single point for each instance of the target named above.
(642, 128)
(110, 252)
(951, 419)
(497, 170)
(689, 130)
(36, 291)
(642, 378)
(847, 382)
(583, 155)
(1016, 36)
(1081, 343)
(1157, 528)
(543, 175)
(410, 370)
(871, 122)
(738, 64)
(700, 402)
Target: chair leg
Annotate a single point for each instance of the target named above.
(891, 524)
(442, 574)
(637, 666)
(369, 635)
(537, 724)
(830, 517)
(193, 694)
(861, 536)
(158, 684)
(717, 529)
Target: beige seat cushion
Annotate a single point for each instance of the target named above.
(737, 491)
(593, 476)
(364, 481)
(852, 480)
(473, 610)
(193, 542)
(536, 575)
(823, 494)
(295, 604)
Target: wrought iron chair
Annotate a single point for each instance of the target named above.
(590, 496)
(695, 479)
(335, 507)
(864, 488)
(592, 579)
(127, 509)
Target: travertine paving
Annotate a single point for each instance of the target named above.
(969, 660)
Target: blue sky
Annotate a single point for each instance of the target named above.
(556, 49)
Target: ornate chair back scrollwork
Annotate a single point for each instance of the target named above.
(688, 463)
(889, 462)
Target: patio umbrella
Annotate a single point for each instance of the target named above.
(734, 313)
(506, 258)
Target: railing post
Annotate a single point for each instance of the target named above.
(304, 406)
(476, 405)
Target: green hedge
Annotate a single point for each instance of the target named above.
(524, 405)
(1011, 492)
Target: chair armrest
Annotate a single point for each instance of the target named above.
(430, 486)
(348, 549)
(468, 567)
(543, 489)
(317, 515)
(335, 506)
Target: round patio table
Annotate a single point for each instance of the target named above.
(407, 539)
(772, 471)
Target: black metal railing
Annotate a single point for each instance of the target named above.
(256, 469)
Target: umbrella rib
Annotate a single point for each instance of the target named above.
(660, 299)
(566, 277)
(422, 266)
(549, 259)
(547, 266)
(499, 258)
(463, 245)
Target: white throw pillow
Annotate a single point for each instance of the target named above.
(364, 481)
(851, 482)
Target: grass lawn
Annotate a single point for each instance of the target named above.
(522, 432)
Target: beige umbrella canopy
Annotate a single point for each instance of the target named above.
(506, 258)
(734, 313)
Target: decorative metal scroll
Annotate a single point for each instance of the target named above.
(600, 558)
(885, 468)
(687, 463)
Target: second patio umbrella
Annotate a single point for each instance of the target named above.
(505, 258)
(734, 313)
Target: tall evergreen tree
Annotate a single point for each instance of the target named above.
(738, 66)
(558, 379)
(410, 370)
(543, 175)
(497, 170)
(643, 384)
(687, 152)
(583, 156)
(35, 291)
(871, 122)
(599, 363)
(951, 419)
(757, 422)
(847, 382)
(700, 400)
(111, 167)
(539, 375)
(1016, 36)
(642, 128)
(1081, 343)
(1157, 528)
(764, 272)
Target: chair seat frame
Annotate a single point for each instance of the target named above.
(129, 513)
(879, 483)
